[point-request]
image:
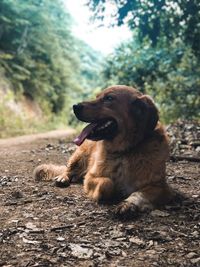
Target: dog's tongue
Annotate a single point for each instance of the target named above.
(84, 134)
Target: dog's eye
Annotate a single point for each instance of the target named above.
(108, 98)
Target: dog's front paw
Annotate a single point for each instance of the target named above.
(126, 210)
(61, 181)
(94, 193)
(99, 189)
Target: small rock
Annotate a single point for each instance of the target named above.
(80, 252)
(159, 213)
(115, 233)
(49, 146)
(27, 241)
(197, 260)
(191, 255)
(137, 241)
(198, 149)
(151, 243)
(155, 264)
(114, 252)
(31, 226)
(151, 252)
(60, 238)
(195, 196)
(195, 234)
(62, 254)
(17, 194)
(14, 221)
(124, 254)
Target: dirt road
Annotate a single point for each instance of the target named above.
(42, 225)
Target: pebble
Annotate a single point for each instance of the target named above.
(80, 252)
(17, 194)
(27, 241)
(196, 260)
(151, 243)
(198, 149)
(137, 241)
(195, 234)
(60, 238)
(191, 255)
(31, 226)
(159, 213)
(195, 196)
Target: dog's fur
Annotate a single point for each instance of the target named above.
(131, 164)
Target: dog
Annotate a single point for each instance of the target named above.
(121, 153)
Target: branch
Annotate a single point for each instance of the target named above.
(188, 158)
(62, 227)
(23, 42)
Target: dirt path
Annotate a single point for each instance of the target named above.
(41, 225)
(33, 137)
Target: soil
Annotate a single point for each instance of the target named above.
(43, 225)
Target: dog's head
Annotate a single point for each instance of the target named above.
(118, 114)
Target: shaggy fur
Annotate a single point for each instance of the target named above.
(128, 165)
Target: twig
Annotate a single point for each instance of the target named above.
(179, 233)
(39, 231)
(12, 203)
(188, 158)
(62, 227)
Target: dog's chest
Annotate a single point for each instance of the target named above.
(123, 176)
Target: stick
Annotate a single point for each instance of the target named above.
(62, 227)
(188, 158)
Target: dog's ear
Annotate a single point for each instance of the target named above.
(145, 113)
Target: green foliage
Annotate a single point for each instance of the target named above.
(16, 122)
(37, 49)
(90, 68)
(166, 19)
(42, 59)
(163, 57)
(171, 76)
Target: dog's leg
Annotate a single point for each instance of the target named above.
(62, 175)
(98, 188)
(76, 168)
(145, 199)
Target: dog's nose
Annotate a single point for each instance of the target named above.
(77, 108)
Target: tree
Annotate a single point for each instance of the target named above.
(37, 50)
(157, 19)
(170, 75)
(163, 57)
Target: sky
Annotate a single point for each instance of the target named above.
(103, 39)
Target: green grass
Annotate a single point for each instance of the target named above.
(15, 125)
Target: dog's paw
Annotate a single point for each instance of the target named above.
(126, 210)
(94, 193)
(61, 181)
(99, 189)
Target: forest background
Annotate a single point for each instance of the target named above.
(44, 68)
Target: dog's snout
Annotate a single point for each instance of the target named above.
(78, 108)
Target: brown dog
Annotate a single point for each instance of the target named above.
(121, 153)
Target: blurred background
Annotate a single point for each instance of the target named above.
(54, 53)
